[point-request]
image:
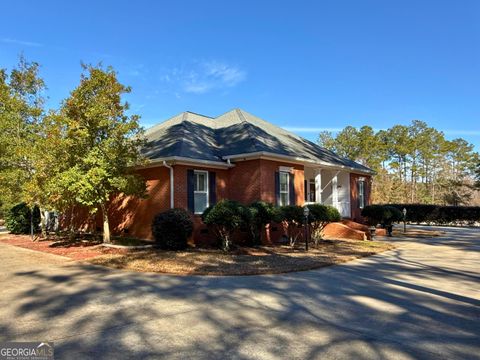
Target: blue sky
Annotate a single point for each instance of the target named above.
(304, 65)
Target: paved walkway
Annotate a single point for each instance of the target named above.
(420, 301)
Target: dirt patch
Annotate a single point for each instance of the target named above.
(245, 261)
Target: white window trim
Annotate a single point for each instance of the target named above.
(207, 189)
(280, 187)
(361, 203)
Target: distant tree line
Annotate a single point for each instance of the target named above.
(414, 163)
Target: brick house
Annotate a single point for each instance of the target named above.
(196, 160)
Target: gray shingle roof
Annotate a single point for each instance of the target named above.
(199, 137)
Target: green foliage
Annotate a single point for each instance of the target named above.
(172, 228)
(320, 216)
(440, 215)
(21, 110)
(261, 214)
(382, 214)
(18, 219)
(414, 163)
(224, 218)
(101, 144)
(292, 217)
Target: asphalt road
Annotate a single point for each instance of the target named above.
(420, 301)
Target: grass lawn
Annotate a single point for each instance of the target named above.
(245, 261)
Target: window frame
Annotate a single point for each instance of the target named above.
(361, 194)
(280, 192)
(206, 191)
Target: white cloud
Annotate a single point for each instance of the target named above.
(203, 76)
(20, 42)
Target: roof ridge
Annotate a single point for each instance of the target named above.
(247, 127)
(194, 113)
(184, 130)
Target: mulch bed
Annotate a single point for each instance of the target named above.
(76, 251)
(242, 261)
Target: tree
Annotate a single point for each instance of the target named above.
(102, 143)
(413, 163)
(477, 176)
(21, 110)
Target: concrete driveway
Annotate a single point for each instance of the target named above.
(420, 301)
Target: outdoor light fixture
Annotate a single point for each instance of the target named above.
(306, 212)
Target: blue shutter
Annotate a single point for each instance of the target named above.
(190, 189)
(212, 188)
(291, 191)
(277, 188)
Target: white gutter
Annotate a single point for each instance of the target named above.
(287, 158)
(171, 184)
(179, 160)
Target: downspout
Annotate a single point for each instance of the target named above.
(171, 183)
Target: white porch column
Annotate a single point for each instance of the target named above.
(335, 191)
(318, 186)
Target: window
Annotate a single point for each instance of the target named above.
(200, 191)
(284, 188)
(361, 194)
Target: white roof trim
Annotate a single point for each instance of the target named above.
(179, 160)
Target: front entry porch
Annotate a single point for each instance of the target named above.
(328, 187)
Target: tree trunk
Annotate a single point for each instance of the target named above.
(106, 226)
(43, 223)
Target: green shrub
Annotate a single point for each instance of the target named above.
(373, 214)
(381, 214)
(292, 216)
(261, 214)
(172, 228)
(319, 216)
(18, 219)
(224, 218)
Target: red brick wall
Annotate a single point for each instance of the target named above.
(267, 180)
(247, 182)
(356, 211)
(244, 181)
(133, 216)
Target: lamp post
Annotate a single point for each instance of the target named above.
(404, 211)
(306, 212)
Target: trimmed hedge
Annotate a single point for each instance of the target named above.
(440, 215)
(18, 219)
(382, 214)
(172, 228)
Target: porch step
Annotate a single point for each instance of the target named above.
(348, 230)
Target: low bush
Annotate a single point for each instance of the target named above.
(319, 217)
(261, 214)
(440, 215)
(172, 228)
(224, 218)
(385, 215)
(18, 219)
(292, 216)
